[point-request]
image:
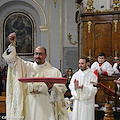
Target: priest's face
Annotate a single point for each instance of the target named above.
(40, 55)
(101, 59)
(82, 64)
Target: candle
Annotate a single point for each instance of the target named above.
(115, 53)
(89, 53)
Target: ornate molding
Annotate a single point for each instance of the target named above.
(89, 57)
(115, 2)
(90, 7)
(49, 30)
(115, 22)
(69, 38)
(116, 57)
(55, 1)
(89, 26)
(44, 27)
(116, 5)
(60, 33)
(43, 3)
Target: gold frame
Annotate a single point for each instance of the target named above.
(28, 44)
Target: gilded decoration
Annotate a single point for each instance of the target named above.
(44, 27)
(49, 30)
(80, 10)
(116, 57)
(60, 33)
(90, 7)
(78, 13)
(55, 1)
(89, 26)
(115, 2)
(43, 2)
(90, 56)
(116, 5)
(87, 6)
(115, 22)
(70, 39)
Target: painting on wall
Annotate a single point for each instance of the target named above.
(22, 24)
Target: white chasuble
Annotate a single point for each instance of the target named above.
(31, 101)
(84, 99)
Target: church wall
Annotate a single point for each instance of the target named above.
(8, 7)
(53, 23)
(59, 22)
(70, 56)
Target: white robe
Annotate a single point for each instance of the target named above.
(83, 105)
(116, 71)
(32, 101)
(106, 66)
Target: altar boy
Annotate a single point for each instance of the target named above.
(102, 66)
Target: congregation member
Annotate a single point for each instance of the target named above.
(117, 81)
(37, 100)
(118, 84)
(1, 85)
(83, 90)
(68, 76)
(65, 74)
(102, 66)
(116, 67)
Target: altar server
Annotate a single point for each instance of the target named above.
(101, 66)
(116, 67)
(83, 91)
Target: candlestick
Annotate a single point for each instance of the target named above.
(115, 55)
(90, 57)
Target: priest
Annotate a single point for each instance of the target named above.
(32, 101)
(83, 91)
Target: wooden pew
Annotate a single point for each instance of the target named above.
(3, 103)
(3, 93)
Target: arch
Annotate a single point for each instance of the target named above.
(38, 9)
(23, 24)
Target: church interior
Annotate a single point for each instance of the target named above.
(68, 29)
